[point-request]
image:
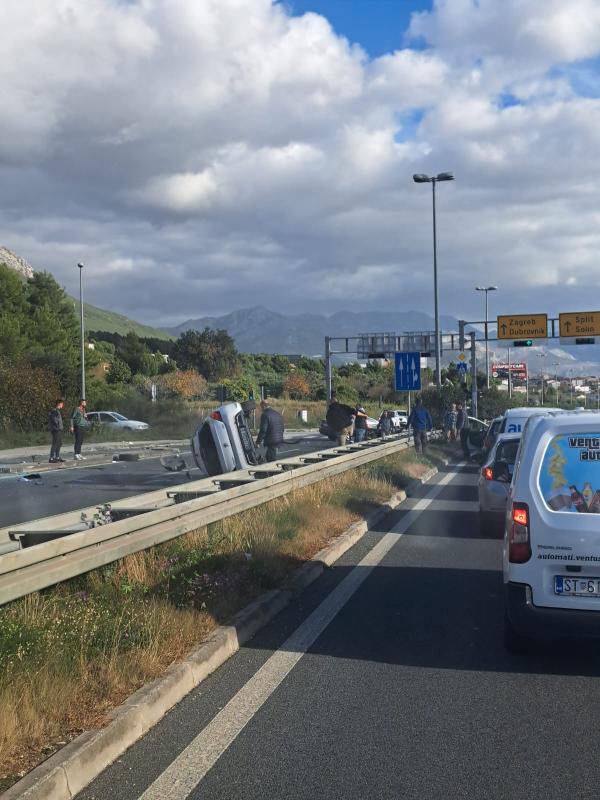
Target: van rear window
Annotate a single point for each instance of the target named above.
(570, 476)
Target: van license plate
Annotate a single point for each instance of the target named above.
(577, 587)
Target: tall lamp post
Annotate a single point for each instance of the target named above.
(433, 179)
(542, 369)
(82, 332)
(486, 289)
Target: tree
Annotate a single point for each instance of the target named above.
(133, 351)
(296, 386)
(26, 395)
(119, 372)
(187, 384)
(212, 353)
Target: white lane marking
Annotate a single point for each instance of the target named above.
(464, 506)
(193, 763)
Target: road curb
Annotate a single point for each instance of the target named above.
(76, 765)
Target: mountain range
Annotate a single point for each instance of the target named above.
(259, 330)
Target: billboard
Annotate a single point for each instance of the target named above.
(518, 371)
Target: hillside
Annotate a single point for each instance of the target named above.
(96, 319)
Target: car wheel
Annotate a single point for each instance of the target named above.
(514, 641)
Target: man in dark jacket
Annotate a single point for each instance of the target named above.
(420, 421)
(271, 430)
(55, 425)
(339, 419)
(462, 427)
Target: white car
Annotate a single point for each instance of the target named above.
(494, 481)
(115, 420)
(399, 419)
(223, 442)
(551, 554)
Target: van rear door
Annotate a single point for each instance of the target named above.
(565, 520)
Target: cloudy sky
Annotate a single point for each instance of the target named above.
(206, 155)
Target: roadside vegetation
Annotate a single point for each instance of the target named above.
(71, 653)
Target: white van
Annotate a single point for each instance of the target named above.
(515, 418)
(551, 555)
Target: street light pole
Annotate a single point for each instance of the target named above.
(433, 179)
(486, 289)
(82, 332)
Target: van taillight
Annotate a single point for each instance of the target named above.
(216, 415)
(519, 544)
(488, 473)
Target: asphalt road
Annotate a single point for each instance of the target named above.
(66, 489)
(386, 679)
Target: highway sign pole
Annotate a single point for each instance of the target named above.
(509, 375)
(328, 387)
(473, 375)
(82, 331)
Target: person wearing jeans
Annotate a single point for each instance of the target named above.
(360, 425)
(79, 424)
(55, 424)
(420, 421)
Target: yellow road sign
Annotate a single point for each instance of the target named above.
(523, 326)
(462, 357)
(579, 323)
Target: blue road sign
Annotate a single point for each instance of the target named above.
(462, 367)
(408, 372)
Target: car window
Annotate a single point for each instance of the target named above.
(570, 474)
(119, 417)
(507, 451)
(105, 417)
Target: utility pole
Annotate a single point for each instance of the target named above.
(509, 375)
(82, 331)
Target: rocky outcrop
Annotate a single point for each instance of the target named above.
(13, 261)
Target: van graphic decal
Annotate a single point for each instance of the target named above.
(570, 475)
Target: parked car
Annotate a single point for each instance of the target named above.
(494, 481)
(551, 554)
(115, 420)
(399, 419)
(223, 443)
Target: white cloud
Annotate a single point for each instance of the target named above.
(203, 155)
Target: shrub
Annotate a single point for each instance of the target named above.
(27, 394)
(187, 384)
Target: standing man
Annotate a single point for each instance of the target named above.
(360, 425)
(271, 429)
(462, 427)
(55, 425)
(420, 421)
(385, 424)
(79, 424)
(339, 419)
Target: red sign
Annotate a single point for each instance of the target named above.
(517, 370)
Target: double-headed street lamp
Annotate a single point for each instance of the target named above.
(486, 289)
(433, 179)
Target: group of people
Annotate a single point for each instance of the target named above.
(78, 425)
(456, 426)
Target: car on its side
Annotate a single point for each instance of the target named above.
(551, 553)
(113, 419)
(494, 481)
(222, 442)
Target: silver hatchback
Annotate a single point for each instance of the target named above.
(495, 478)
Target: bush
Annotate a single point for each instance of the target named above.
(239, 389)
(187, 384)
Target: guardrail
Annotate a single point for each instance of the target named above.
(146, 520)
